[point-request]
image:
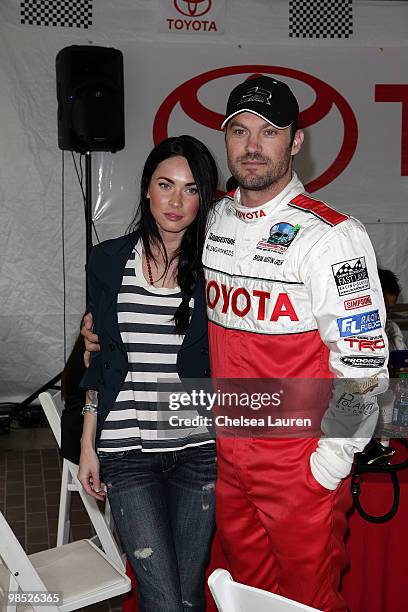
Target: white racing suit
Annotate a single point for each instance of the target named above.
(293, 292)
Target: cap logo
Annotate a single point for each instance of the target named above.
(256, 94)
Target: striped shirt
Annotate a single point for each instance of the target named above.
(139, 418)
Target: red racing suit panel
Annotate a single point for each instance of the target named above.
(278, 356)
(280, 530)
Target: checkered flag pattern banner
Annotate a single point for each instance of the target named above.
(320, 18)
(347, 268)
(61, 13)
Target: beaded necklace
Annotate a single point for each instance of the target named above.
(149, 270)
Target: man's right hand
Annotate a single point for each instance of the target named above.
(91, 339)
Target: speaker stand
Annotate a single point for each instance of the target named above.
(88, 211)
(51, 384)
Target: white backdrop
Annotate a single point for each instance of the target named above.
(336, 80)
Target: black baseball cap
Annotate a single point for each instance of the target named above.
(266, 97)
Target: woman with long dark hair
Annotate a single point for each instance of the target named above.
(147, 300)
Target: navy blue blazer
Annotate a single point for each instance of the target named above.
(109, 367)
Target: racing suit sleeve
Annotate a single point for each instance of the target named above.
(340, 273)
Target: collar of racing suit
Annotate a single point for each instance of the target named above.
(252, 215)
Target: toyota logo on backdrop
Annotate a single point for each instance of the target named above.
(193, 8)
(326, 97)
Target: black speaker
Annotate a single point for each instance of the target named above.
(90, 99)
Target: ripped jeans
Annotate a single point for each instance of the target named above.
(163, 506)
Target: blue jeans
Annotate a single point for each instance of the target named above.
(163, 506)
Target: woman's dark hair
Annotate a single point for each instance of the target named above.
(73, 371)
(205, 173)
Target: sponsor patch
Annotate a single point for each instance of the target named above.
(240, 301)
(256, 94)
(281, 236)
(361, 386)
(365, 344)
(350, 403)
(358, 302)
(351, 276)
(362, 361)
(216, 249)
(221, 239)
(359, 323)
(249, 215)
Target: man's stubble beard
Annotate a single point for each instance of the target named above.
(274, 172)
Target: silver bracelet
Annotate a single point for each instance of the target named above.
(90, 408)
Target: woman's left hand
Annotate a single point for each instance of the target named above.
(88, 474)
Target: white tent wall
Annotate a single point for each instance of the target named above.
(250, 37)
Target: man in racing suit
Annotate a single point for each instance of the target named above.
(292, 292)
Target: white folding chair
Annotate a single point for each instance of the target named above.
(232, 596)
(80, 571)
(52, 406)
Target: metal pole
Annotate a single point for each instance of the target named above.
(88, 209)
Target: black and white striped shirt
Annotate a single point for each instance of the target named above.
(137, 419)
